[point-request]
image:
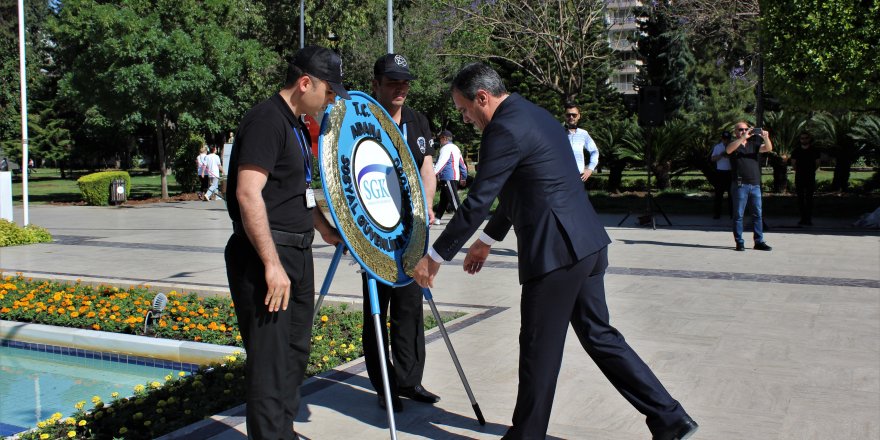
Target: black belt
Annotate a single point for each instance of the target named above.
(282, 238)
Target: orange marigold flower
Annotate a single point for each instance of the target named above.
(96, 326)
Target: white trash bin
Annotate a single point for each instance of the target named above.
(6, 195)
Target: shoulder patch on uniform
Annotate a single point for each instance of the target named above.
(422, 143)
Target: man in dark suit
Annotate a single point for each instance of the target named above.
(562, 251)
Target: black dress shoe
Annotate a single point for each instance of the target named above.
(740, 247)
(419, 394)
(395, 401)
(763, 246)
(681, 430)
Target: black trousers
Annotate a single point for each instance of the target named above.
(407, 361)
(447, 196)
(576, 295)
(805, 188)
(204, 183)
(277, 344)
(722, 185)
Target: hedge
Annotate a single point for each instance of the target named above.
(13, 235)
(95, 187)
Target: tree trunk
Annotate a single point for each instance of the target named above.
(615, 177)
(661, 172)
(842, 166)
(780, 176)
(160, 149)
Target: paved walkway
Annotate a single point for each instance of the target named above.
(772, 345)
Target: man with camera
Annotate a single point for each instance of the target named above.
(745, 157)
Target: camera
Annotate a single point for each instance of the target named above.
(757, 131)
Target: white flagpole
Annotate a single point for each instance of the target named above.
(390, 28)
(24, 130)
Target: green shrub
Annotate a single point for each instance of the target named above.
(13, 235)
(184, 165)
(95, 187)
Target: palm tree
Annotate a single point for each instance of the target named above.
(866, 133)
(611, 137)
(784, 130)
(666, 146)
(835, 132)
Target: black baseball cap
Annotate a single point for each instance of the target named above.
(393, 66)
(726, 135)
(322, 63)
(446, 133)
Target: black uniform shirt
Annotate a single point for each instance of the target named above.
(271, 137)
(418, 134)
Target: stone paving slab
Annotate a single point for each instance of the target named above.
(779, 345)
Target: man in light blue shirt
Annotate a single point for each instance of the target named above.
(580, 142)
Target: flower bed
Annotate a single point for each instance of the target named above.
(155, 409)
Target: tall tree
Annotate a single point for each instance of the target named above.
(668, 61)
(822, 55)
(37, 60)
(560, 44)
(174, 66)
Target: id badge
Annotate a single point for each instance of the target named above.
(310, 198)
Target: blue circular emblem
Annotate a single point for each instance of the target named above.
(373, 188)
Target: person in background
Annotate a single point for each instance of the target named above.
(745, 159)
(214, 169)
(202, 167)
(721, 181)
(451, 172)
(805, 161)
(581, 143)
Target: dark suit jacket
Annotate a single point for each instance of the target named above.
(525, 161)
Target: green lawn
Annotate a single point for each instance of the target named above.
(46, 185)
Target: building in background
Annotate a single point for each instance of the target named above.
(622, 32)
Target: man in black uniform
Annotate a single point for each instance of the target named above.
(391, 77)
(269, 257)
(805, 161)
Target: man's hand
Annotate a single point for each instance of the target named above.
(425, 271)
(328, 233)
(278, 293)
(331, 236)
(476, 256)
(586, 174)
